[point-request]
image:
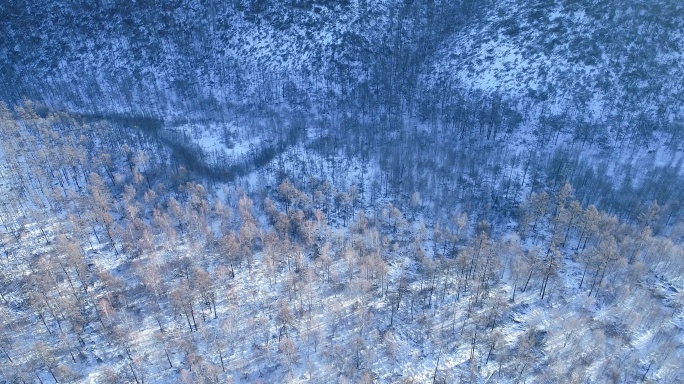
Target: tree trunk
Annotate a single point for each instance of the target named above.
(52, 374)
(169, 358)
(130, 365)
(527, 282)
(6, 354)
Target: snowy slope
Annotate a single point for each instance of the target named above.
(595, 59)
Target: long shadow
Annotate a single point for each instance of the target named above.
(189, 157)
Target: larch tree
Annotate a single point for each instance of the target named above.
(102, 202)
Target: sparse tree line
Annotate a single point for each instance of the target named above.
(120, 265)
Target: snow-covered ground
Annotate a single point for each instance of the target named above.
(221, 143)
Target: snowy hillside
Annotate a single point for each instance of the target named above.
(599, 61)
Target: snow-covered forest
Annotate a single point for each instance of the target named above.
(349, 191)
